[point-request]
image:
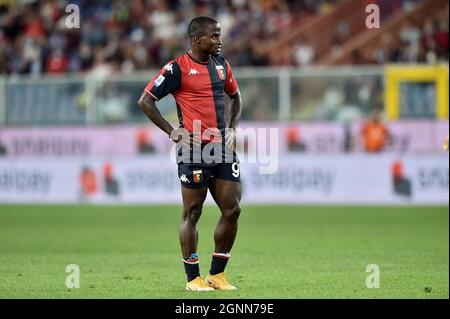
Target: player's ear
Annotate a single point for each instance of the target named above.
(196, 39)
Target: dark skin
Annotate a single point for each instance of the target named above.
(225, 193)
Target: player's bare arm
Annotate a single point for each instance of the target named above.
(150, 109)
(235, 116)
(235, 110)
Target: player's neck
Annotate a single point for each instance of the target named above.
(199, 56)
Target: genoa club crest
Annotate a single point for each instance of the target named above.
(198, 176)
(221, 72)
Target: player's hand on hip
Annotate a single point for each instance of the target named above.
(182, 136)
(179, 134)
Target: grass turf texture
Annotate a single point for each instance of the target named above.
(280, 252)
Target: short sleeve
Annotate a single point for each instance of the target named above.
(167, 81)
(231, 86)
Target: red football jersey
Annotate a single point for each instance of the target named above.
(198, 89)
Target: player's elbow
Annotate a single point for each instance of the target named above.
(237, 96)
(237, 100)
(144, 102)
(141, 103)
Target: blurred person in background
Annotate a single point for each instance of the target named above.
(349, 141)
(294, 140)
(88, 183)
(401, 183)
(3, 150)
(143, 139)
(375, 133)
(111, 183)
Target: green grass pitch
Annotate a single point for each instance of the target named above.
(280, 252)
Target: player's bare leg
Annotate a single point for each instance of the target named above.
(193, 200)
(227, 195)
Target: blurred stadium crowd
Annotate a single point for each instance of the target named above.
(426, 43)
(133, 35)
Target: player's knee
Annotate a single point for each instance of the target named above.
(232, 213)
(192, 213)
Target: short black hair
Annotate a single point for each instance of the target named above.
(199, 26)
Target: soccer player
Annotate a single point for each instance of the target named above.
(198, 81)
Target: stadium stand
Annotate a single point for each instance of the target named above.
(145, 34)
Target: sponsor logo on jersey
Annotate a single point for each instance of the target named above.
(160, 79)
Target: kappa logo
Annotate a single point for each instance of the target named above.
(184, 179)
(193, 72)
(169, 67)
